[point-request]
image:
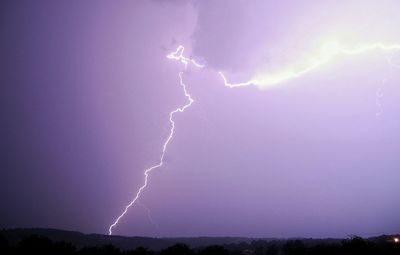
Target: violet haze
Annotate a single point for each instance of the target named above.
(86, 89)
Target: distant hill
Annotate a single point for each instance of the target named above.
(81, 240)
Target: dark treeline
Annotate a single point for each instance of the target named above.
(42, 245)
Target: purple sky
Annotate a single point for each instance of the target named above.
(85, 92)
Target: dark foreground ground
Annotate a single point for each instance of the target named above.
(51, 241)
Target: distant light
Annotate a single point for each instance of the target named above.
(396, 240)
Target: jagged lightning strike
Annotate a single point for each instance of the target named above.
(177, 55)
(326, 54)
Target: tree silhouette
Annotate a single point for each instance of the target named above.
(35, 245)
(214, 250)
(40, 245)
(103, 250)
(139, 251)
(4, 245)
(63, 248)
(294, 248)
(357, 245)
(272, 250)
(177, 249)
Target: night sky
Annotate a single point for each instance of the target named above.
(85, 95)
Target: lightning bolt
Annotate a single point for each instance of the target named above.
(177, 55)
(327, 53)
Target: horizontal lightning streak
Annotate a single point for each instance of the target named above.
(327, 53)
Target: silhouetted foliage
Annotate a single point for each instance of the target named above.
(177, 249)
(294, 248)
(139, 251)
(63, 248)
(214, 250)
(35, 245)
(259, 246)
(103, 250)
(272, 250)
(324, 249)
(4, 245)
(354, 246)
